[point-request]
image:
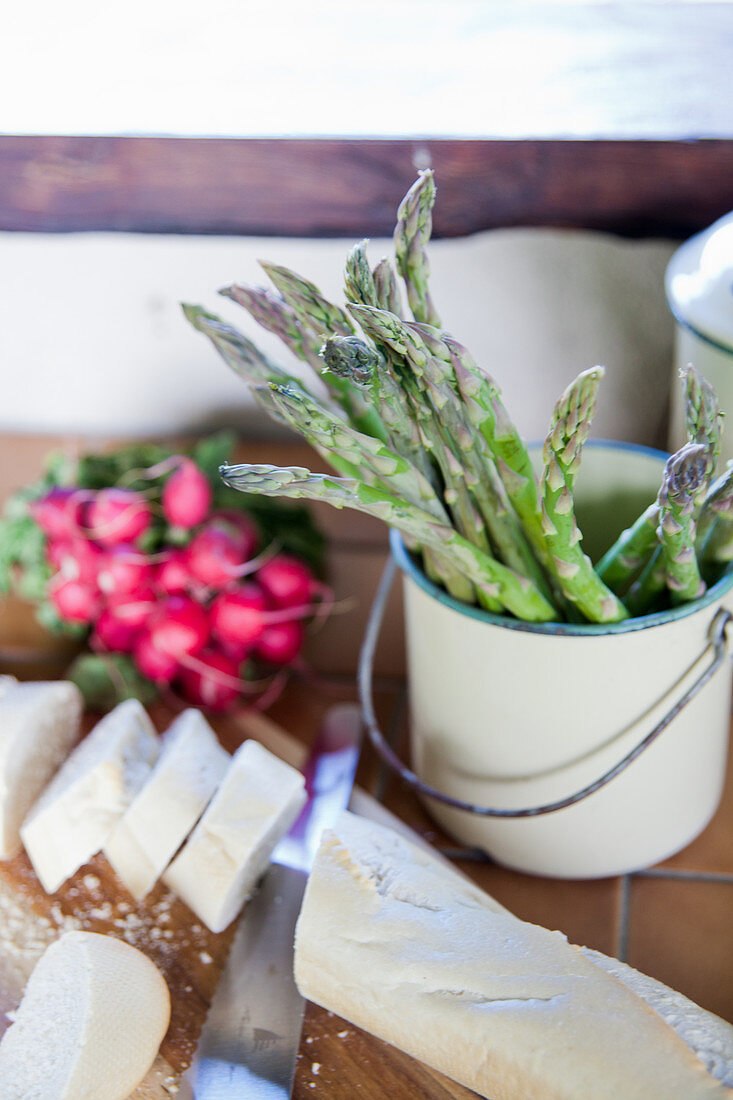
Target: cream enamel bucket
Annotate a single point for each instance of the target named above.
(512, 715)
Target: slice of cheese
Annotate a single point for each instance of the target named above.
(76, 813)
(192, 763)
(90, 1023)
(218, 867)
(39, 723)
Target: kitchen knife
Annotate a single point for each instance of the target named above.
(250, 1041)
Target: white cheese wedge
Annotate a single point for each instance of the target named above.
(76, 813)
(191, 765)
(218, 867)
(90, 1023)
(39, 723)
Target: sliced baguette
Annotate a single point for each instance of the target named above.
(90, 1023)
(191, 765)
(39, 724)
(401, 945)
(78, 810)
(218, 867)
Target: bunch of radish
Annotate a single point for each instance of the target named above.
(210, 614)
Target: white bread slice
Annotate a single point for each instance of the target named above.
(78, 810)
(90, 1023)
(218, 867)
(191, 765)
(39, 724)
(400, 945)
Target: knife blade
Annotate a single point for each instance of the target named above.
(250, 1040)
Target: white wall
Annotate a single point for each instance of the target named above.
(92, 338)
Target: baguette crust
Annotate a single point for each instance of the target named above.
(400, 945)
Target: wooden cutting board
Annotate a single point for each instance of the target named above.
(335, 1059)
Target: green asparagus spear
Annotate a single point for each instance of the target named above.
(649, 585)
(684, 478)
(359, 451)
(429, 370)
(517, 594)
(244, 357)
(412, 233)
(351, 358)
(561, 453)
(715, 525)
(250, 363)
(486, 411)
(304, 297)
(359, 282)
(631, 550)
(271, 312)
(387, 288)
(672, 560)
(634, 546)
(322, 318)
(703, 418)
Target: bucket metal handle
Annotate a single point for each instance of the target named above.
(718, 644)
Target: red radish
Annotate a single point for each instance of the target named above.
(75, 601)
(75, 559)
(113, 633)
(280, 643)
(152, 662)
(58, 514)
(237, 653)
(178, 626)
(84, 561)
(117, 515)
(214, 555)
(124, 569)
(187, 496)
(213, 682)
(134, 608)
(173, 576)
(237, 617)
(287, 581)
(242, 523)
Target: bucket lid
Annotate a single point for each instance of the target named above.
(699, 283)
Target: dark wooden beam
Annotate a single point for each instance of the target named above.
(315, 187)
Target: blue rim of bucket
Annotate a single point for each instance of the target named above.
(581, 630)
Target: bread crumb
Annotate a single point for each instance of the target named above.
(91, 882)
(342, 1034)
(205, 957)
(316, 1068)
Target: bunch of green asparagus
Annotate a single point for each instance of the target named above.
(417, 435)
